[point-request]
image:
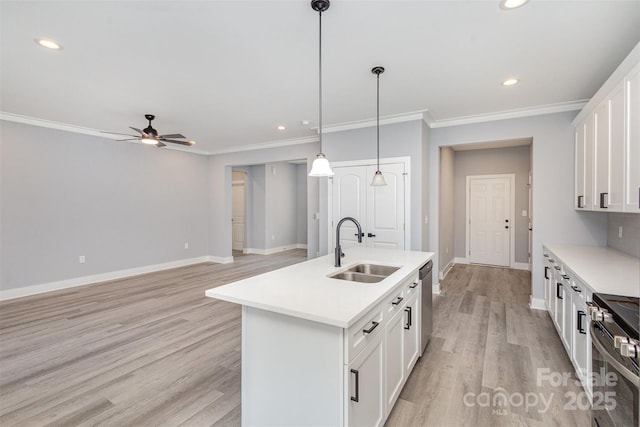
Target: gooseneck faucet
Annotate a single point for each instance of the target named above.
(338, 250)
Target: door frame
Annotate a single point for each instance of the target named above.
(243, 184)
(370, 162)
(512, 211)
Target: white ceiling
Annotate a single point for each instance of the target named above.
(226, 73)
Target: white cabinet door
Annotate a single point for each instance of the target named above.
(548, 275)
(557, 298)
(615, 191)
(366, 401)
(411, 333)
(578, 199)
(567, 313)
(394, 352)
(589, 142)
(601, 159)
(632, 143)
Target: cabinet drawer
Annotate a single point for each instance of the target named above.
(395, 303)
(411, 285)
(359, 335)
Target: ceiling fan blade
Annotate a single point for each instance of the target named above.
(137, 130)
(129, 139)
(117, 133)
(172, 135)
(187, 143)
(160, 144)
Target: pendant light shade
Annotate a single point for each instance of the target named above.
(378, 178)
(321, 166)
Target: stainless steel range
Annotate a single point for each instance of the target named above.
(615, 360)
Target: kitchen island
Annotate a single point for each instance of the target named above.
(324, 351)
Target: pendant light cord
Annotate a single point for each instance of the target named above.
(320, 79)
(378, 118)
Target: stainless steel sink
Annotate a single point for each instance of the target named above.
(378, 270)
(357, 277)
(365, 273)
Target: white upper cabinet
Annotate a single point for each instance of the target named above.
(632, 151)
(607, 145)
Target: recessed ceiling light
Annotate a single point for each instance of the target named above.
(510, 82)
(511, 4)
(49, 44)
(281, 127)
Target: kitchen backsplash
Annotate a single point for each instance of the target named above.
(630, 241)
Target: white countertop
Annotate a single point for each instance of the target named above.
(603, 269)
(303, 290)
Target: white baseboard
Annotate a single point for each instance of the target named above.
(461, 260)
(97, 278)
(220, 259)
(520, 266)
(536, 303)
(435, 288)
(446, 269)
(271, 251)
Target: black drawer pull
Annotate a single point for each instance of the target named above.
(397, 301)
(368, 331)
(576, 289)
(557, 267)
(414, 285)
(558, 291)
(546, 273)
(356, 398)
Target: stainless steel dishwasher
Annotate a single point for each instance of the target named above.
(425, 277)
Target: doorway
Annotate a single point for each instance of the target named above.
(238, 210)
(490, 214)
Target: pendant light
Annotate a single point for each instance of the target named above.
(321, 166)
(378, 178)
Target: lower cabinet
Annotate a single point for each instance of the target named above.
(411, 334)
(395, 350)
(367, 397)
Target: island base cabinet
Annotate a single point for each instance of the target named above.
(366, 407)
(411, 334)
(394, 351)
(292, 371)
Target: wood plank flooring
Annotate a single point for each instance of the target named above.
(151, 350)
(488, 344)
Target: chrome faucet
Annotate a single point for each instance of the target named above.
(338, 250)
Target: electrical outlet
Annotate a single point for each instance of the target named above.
(446, 251)
(524, 213)
(620, 232)
(186, 245)
(273, 237)
(81, 259)
(426, 220)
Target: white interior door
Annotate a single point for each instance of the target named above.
(238, 216)
(385, 209)
(490, 221)
(380, 210)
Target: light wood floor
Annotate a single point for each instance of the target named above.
(487, 342)
(152, 350)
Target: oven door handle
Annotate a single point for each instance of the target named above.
(595, 339)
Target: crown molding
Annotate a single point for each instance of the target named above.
(511, 114)
(262, 145)
(387, 120)
(81, 130)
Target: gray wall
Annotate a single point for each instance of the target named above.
(301, 204)
(447, 179)
(555, 220)
(396, 140)
(119, 204)
(424, 181)
(219, 180)
(259, 207)
(509, 160)
(280, 199)
(630, 241)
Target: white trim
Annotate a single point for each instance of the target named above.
(511, 114)
(99, 278)
(447, 268)
(372, 162)
(275, 250)
(84, 131)
(435, 288)
(461, 260)
(537, 304)
(512, 213)
(520, 266)
(263, 145)
(301, 246)
(220, 259)
(359, 124)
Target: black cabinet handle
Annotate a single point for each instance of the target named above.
(546, 273)
(580, 201)
(565, 276)
(414, 285)
(408, 325)
(371, 235)
(545, 255)
(576, 289)
(558, 293)
(581, 315)
(368, 331)
(603, 196)
(397, 301)
(356, 398)
(557, 267)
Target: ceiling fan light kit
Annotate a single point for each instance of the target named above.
(320, 166)
(149, 135)
(378, 179)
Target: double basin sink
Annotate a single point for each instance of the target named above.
(365, 273)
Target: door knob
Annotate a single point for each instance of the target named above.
(371, 235)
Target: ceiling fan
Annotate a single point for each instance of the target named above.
(150, 136)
